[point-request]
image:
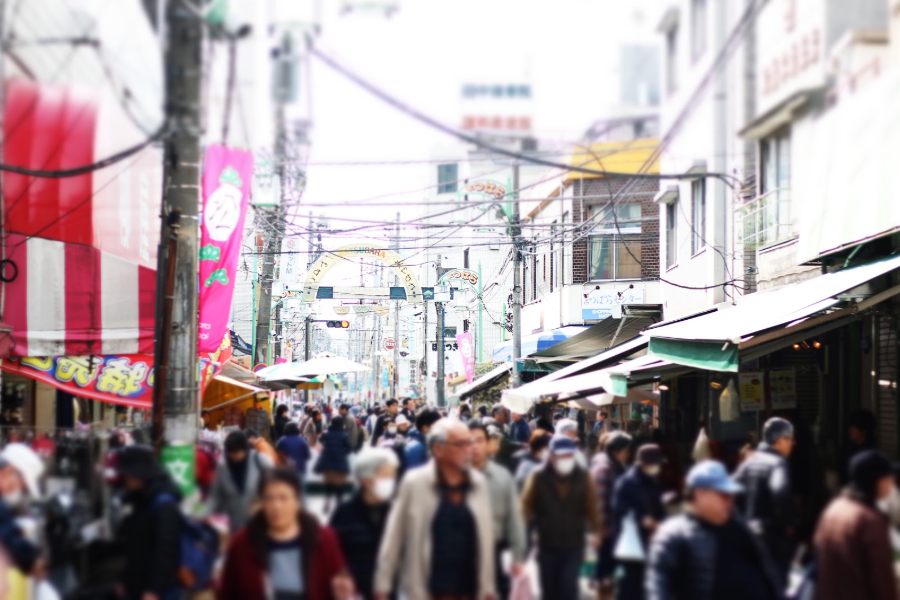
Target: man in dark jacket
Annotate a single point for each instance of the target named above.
(151, 534)
(638, 496)
(559, 502)
(606, 469)
(416, 451)
(391, 410)
(281, 419)
(293, 449)
(708, 553)
(519, 431)
(766, 503)
(409, 409)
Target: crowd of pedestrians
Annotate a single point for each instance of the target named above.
(478, 504)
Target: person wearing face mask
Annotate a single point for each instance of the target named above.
(536, 454)
(638, 496)
(560, 503)
(767, 504)
(360, 521)
(853, 553)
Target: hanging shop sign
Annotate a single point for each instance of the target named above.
(782, 385)
(751, 385)
(226, 191)
(603, 303)
(486, 188)
(470, 277)
(467, 354)
(390, 343)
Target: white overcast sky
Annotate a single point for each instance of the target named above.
(566, 49)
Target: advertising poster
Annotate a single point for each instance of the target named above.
(467, 354)
(751, 388)
(782, 385)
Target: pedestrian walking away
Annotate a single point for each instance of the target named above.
(237, 478)
(333, 463)
(293, 449)
(439, 539)
(284, 552)
(282, 418)
(709, 553)
(360, 521)
(559, 501)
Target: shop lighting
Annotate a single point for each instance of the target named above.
(663, 387)
(796, 346)
(716, 385)
(816, 344)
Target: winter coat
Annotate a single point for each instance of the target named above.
(527, 464)
(605, 472)
(682, 563)
(519, 431)
(359, 528)
(637, 493)
(278, 427)
(226, 498)
(562, 509)
(245, 576)
(295, 449)
(766, 502)
(406, 549)
(335, 450)
(354, 431)
(151, 539)
(853, 552)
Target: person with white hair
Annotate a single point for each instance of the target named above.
(20, 470)
(439, 538)
(360, 521)
(569, 428)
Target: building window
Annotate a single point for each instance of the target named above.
(698, 26)
(770, 219)
(448, 175)
(671, 234)
(615, 252)
(776, 162)
(698, 215)
(672, 59)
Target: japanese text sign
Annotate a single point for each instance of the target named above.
(467, 353)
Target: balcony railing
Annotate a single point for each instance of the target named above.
(766, 220)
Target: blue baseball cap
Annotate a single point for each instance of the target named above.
(711, 475)
(562, 444)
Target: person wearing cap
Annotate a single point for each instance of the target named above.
(854, 557)
(233, 491)
(767, 504)
(20, 470)
(509, 528)
(151, 533)
(606, 469)
(709, 553)
(559, 502)
(637, 495)
(519, 431)
(569, 428)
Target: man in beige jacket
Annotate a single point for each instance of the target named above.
(439, 536)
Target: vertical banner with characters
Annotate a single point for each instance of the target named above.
(227, 174)
(467, 352)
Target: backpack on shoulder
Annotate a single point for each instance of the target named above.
(199, 550)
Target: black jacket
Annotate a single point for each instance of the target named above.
(682, 562)
(767, 490)
(359, 528)
(151, 539)
(17, 546)
(640, 494)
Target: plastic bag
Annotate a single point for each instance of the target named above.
(730, 403)
(629, 546)
(701, 450)
(521, 588)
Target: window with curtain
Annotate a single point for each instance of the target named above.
(615, 253)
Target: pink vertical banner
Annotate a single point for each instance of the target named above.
(467, 352)
(227, 175)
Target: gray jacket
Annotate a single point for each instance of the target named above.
(509, 527)
(682, 562)
(224, 497)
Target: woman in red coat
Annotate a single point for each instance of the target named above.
(284, 553)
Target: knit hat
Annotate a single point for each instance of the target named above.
(562, 444)
(867, 467)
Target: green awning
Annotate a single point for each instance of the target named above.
(700, 354)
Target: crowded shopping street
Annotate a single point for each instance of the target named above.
(449, 300)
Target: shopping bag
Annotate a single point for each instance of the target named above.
(521, 588)
(629, 546)
(702, 450)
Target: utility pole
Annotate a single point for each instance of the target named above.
(517, 282)
(176, 393)
(439, 308)
(396, 378)
(307, 322)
